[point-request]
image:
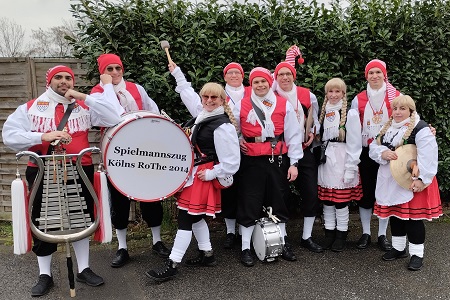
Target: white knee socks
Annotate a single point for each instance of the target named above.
(180, 245)
(201, 233)
(81, 249)
(231, 225)
(329, 216)
(365, 214)
(382, 226)
(416, 249)
(308, 223)
(342, 218)
(156, 234)
(399, 242)
(246, 236)
(122, 238)
(45, 264)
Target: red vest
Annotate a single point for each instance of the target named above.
(304, 97)
(79, 142)
(131, 88)
(249, 130)
(362, 102)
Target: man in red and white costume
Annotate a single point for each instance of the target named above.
(302, 100)
(33, 126)
(132, 97)
(271, 149)
(374, 108)
(233, 74)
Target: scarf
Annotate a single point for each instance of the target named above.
(375, 104)
(267, 105)
(42, 114)
(291, 96)
(331, 121)
(206, 114)
(234, 93)
(126, 99)
(394, 135)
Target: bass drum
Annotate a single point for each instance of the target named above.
(146, 156)
(267, 240)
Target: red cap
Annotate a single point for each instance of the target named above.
(55, 70)
(261, 72)
(105, 60)
(284, 65)
(376, 63)
(233, 65)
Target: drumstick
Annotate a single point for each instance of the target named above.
(165, 46)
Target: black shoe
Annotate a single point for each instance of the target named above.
(204, 258)
(310, 245)
(43, 286)
(165, 272)
(364, 241)
(287, 253)
(384, 244)
(415, 263)
(247, 258)
(229, 241)
(89, 277)
(330, 236)
(339, 242)
(121, 258)
(161, 250)
(394, 254)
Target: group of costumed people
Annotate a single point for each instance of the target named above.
(264, 135)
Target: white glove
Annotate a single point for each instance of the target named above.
(349, 175)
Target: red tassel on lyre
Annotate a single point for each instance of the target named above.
(104, 232)
(20, 216)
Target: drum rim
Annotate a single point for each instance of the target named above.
(117, 129)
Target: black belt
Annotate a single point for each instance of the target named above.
(258, 139)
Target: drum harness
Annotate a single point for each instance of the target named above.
(273, 140)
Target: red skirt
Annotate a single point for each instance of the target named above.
(340, 195)
(201, 197)
(425, 205)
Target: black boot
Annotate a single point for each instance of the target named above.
(330, 236)
(204, 258)
(339, 242)
(165, 272)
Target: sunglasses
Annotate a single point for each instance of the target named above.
(110, 69)
(206, 97)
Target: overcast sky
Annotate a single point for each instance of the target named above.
(32, 14)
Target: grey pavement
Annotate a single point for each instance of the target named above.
(352, 274)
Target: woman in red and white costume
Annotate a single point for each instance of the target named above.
(302, 100)
(406, 208)
(338, 177)
(233, 74)
(217, 156)
(374, 108)
(132, 97)
(271, 149)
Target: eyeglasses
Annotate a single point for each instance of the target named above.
(284, 74)
(110, 69)
(233, 73)
(206, 97)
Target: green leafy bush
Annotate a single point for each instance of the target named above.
(412, 37)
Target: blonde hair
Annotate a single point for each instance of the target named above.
(402, 100)
(214, 88)
(336, 83)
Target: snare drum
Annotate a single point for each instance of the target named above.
(146, 156)
(267, 240)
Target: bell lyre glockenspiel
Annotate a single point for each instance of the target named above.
(64, 217)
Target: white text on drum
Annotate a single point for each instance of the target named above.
(139, 152)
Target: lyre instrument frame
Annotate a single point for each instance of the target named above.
(77, 234)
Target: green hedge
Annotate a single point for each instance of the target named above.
(412, 37)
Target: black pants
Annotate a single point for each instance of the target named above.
(306, 184)
(262, 184)
(185, 220)
(414, 229)
(42, 248)
(338, 205)
(368, 170)
(152, 212)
